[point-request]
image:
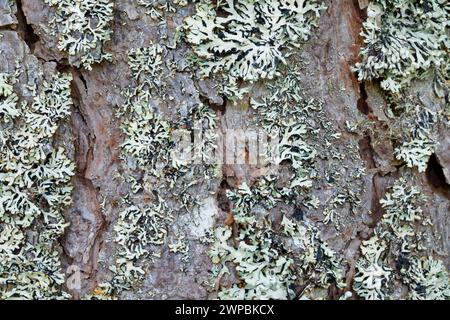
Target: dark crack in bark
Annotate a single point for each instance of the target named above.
(436, 178)
(24, 29)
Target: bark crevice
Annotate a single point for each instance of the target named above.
(86, 214)
(25, 29)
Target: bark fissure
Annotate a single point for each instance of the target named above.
(24, 28)
(86, 213)
(435, 176)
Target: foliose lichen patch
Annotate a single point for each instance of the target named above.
(82, 28)
(246, 40)
(164, 183)
(396, 253)
(35, 187)
(404, 39)
(406, 42)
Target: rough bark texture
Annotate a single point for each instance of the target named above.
(93, 137)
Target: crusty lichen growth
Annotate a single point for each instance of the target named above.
(34, 189)
(247, 39)
(82, 28)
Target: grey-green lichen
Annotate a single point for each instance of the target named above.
(82, 27)
(372, 273)
(143, 231)
(246, 41)
(401, 210)
(398, 238)
(296, 257)
(427, 279)
(319, 266)
(269, 263)
(8, 107)
(406, 41)
(419, 142)
(403, 40)
(273, 257)
(316, 152)
(157, 8)
(148, 139)
(137, 229)
(266, 273)
(34, 188)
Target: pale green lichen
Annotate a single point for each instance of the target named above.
(403, 40)
(427, 278)
(180, 246)
(150, 141)
(402, 210)
(283, 114)
(398, 239)
(137, 230)
(146, 64)
(311, 146)
(373, 274)
(82, 28)
(148, 68)
(421, 137)
(157, 8)
(34, 189)
(147, 139)
(406, 40)
(319, 265)
(308, 141)
(267, 271)
(8, 98)
(248, 40)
